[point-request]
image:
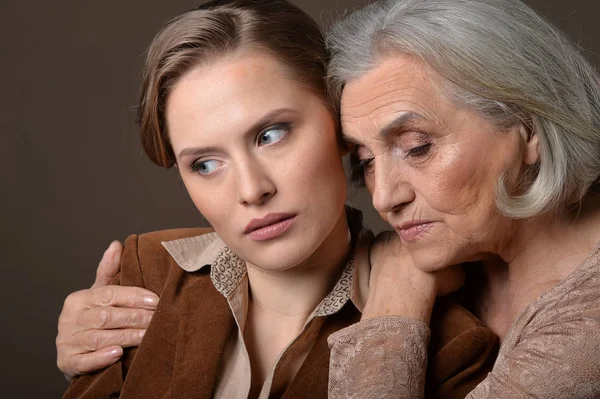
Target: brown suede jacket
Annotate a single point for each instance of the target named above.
(180, 353)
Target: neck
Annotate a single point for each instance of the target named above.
(542, 252)
(296, 292)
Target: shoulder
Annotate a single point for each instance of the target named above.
(554, 346)
(146, 263)
(156, 237)
(571, 300)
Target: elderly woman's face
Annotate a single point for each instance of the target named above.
(431, 167)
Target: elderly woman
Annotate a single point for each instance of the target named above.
(476, 128)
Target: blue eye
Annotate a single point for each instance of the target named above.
(205, 167)
(272, 134)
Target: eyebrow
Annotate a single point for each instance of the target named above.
(403, 120)
(257, 126)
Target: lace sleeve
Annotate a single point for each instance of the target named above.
(559, 360)
(382, 357)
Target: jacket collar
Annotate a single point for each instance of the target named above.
(228, 270)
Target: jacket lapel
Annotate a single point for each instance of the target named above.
(205, 325)
(180, 354)
(312, 379)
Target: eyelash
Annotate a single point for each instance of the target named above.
(419, 151)
(196, 165)
(357, 169)
(279, 126)
(360, 167)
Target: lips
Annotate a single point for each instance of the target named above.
(268, 220)
(413, 230)
(412, 224)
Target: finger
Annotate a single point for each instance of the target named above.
(120, 296)
(110, 265)
(93, 340)
(88, 362)
(109, 317)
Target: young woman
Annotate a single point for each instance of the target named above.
(233, 95)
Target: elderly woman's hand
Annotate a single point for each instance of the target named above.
(95, 324)
(398, 288)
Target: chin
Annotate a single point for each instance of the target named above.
(280, 255)
(432, 260)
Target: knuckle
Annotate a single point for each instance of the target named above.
(63, 324)
(94, 339)
(60, 363)
(134, 319)
(60, 342)
(105, 295)
(125, 336)
(71, 300)
(102, 318)
(128, 337)
(77, 366)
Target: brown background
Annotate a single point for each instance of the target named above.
(73, 176)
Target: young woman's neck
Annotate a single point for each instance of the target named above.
(540, 255)
(281, 302)
(296, 292)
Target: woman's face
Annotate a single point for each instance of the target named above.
(431, 167)
(259, 157)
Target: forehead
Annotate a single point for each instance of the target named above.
(398, 84)
(230, 93)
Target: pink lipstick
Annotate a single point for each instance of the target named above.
(269, 227)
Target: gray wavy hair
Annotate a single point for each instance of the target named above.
(502, 59)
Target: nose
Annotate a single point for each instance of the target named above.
(255, 184)
(390, 188)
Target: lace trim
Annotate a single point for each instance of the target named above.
(340, 294)
(227, 271)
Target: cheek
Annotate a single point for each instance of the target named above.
(316, 168)
(463, 190)
(462, 179)
(330, 171)
(456, 188)
(207, 201)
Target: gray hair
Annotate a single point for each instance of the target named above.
(502, 59)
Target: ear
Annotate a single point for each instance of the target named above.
(531, 152)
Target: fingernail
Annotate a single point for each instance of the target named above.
(115, 352)
(150, 300)
(112, 246)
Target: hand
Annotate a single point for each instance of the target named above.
(97, 323)
(397, 287)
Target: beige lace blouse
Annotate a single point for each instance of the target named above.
(551, 351)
